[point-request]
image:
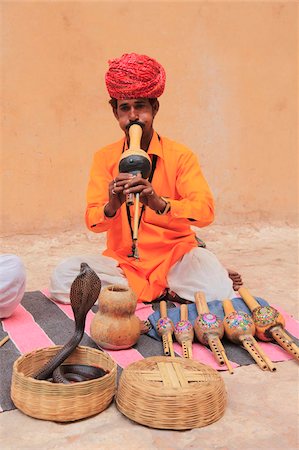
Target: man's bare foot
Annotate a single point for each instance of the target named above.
(236, 279)
(145, 326)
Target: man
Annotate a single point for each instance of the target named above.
(175, 196)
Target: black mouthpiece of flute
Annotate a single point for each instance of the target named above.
(135, 164)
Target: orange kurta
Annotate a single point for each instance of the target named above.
(162, 239)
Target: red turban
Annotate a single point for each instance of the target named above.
(135, 76)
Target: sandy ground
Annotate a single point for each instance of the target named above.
(262, 410)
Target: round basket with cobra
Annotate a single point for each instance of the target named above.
(171, 393)
(62, 402)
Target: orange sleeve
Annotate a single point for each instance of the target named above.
(97, 195)
(196, 201)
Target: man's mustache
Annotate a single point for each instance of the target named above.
(135, 122)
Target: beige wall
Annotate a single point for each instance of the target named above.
(231, 95)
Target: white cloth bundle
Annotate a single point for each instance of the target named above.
(12, 283)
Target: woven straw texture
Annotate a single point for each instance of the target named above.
(171, 393)
(62, 402)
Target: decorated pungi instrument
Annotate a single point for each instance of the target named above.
(269, 324)
(184, 332)
(209, 330)
(165, 328)
(135, 161)
(239, 328)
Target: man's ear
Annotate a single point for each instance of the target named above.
(155, 106)
(113, 103)
(115, 113)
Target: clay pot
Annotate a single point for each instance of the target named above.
(115, 325)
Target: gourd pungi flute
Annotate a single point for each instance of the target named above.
(135, 161)
(184, 333)
(165, 328)
(269, 324)
(209, 330)
(239, 328)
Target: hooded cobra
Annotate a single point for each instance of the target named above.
(84, 293)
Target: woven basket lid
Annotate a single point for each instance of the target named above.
(171, 393)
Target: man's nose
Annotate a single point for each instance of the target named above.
(133, 114)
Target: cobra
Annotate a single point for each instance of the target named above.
(84, 292)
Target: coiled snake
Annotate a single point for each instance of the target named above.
(85, 291)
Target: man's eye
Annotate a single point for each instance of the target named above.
(124, 108)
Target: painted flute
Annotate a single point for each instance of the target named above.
(165, 328)
(209, 329)
(240, 329)
(184, 332)
(269, 324)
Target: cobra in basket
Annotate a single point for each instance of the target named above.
(84, 385)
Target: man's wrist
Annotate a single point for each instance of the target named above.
(165, 209)
(108, 211)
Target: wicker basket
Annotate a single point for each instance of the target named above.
(171, 393)
(62, 402)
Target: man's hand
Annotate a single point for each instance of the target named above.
(116, 194)
(147, 194)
